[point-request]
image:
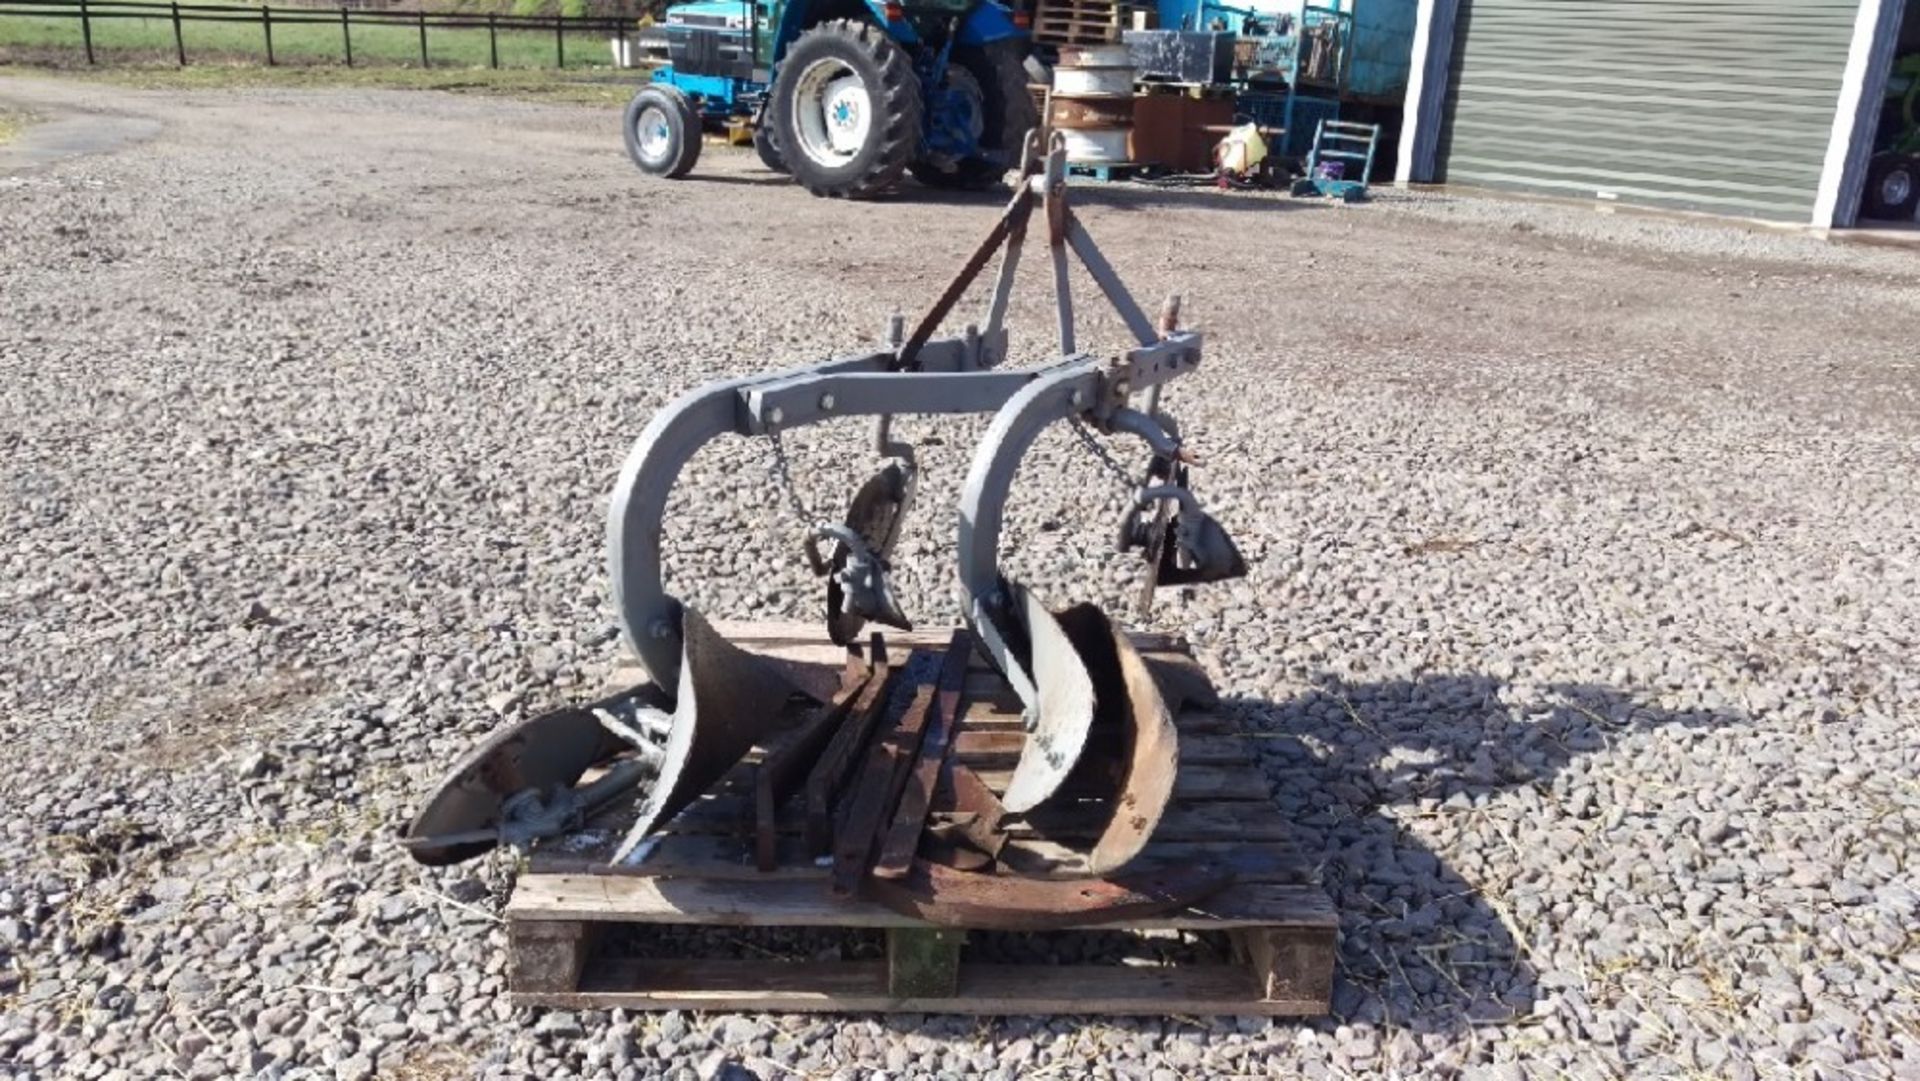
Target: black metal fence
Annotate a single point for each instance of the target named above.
(89, 12)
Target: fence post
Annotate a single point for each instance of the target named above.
(493, 40)
(559, 43)
(346, 35)
(422, 15)
(179, 43)
(266, 26)
(86, 30)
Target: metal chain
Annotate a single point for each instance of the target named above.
(783, 473)
(1099, 450)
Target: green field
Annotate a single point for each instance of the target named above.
(40, 40)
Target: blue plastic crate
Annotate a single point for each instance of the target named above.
(1307, 114)
(1269, 110)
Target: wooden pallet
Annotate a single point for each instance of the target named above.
(1077, 22)
(570, 907)
(1202, 91)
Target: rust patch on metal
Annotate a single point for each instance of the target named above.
(956, 898)
(1090, 113)
(1133, 750)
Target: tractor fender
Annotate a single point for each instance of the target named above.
(987, 23)
(899, 30)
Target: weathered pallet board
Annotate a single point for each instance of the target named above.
(702, 873)
(787, 902)
(861, 986)
(1077, 22)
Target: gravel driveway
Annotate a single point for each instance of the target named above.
(1580, 631)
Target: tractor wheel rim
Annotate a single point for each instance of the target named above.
(1896, 186)
(653, 133)
(833, 112)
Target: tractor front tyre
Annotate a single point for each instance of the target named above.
(846, 110)
(1007, 113)
(768, 150)
(662, 131)
(1893, 188)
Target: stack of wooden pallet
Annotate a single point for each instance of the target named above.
(1077, 22)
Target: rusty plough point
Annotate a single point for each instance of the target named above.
(975, 813)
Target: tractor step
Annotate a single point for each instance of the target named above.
(694, 924)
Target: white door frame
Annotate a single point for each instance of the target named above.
(1426, 92)
(1876, 32)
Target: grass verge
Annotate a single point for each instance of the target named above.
(546, 86)
(119, 40)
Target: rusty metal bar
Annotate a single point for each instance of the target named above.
(786, 767)
(1015, 216)
(830, 770)
(903, 837)
(956, 898)
(977, 811)
(877, 792)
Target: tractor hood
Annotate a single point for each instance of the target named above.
(730, 14)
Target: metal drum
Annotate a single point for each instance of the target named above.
(1092, 103)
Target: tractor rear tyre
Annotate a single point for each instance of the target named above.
(1893, 188)
(1007, 113)
(662, 131)
(768, 150)
(846, 110)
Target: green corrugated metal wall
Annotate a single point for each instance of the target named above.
(1717, 105)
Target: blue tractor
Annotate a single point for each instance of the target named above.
(846, 96)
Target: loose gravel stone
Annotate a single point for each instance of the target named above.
(1578, 635)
